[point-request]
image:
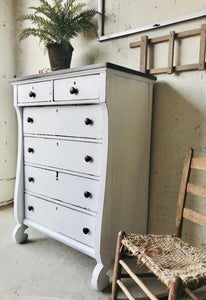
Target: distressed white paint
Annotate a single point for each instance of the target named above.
(81, 84)
(46, 148)
(64, 121)
(42, 91)
(57, 181)
(118, 173)
(68, 222)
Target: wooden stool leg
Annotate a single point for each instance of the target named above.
(175, 289)
(117, 266)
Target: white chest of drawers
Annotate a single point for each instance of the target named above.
(83, 157)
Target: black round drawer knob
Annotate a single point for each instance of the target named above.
(87, 194)
(30, 150)
(30, 179)
(74, 91)
(29, 120)
(88, 121)
(88, 158)
(85, 230)
(32, 94)
(30, 208)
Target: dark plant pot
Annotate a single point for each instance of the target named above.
(59, 56)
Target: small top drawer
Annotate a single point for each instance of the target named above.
(34, 92)
(77, 88)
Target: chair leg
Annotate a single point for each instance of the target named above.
(117, 266)
(175, 289)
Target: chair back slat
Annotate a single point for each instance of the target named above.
(196, 190)
(199, 163)
(194, 216)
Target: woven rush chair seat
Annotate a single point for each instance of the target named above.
(167, 256)
(177, 264)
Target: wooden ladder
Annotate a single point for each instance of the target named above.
(170, 38)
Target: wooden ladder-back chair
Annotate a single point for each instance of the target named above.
(174, 262)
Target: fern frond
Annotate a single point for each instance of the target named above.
(82, 22)
(42, 34)
(58, 22)
(35, 19)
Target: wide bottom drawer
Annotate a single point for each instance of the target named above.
(70, 222)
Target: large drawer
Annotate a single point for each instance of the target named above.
(35, 92)
(79, 191)
(82, 157)
(70, 222)
(77, 88)
(81, 121)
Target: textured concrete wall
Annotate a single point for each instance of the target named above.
(179, 113)
(31, 55)
(8, 130)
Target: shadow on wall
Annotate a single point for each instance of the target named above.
(179, 122)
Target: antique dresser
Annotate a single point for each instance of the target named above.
(83, 157)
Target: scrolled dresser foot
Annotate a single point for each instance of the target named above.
(99, 278)
(19, 235)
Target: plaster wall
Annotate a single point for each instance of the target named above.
(179, 110)
(8, 132)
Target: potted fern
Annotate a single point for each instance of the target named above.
(56, 24)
